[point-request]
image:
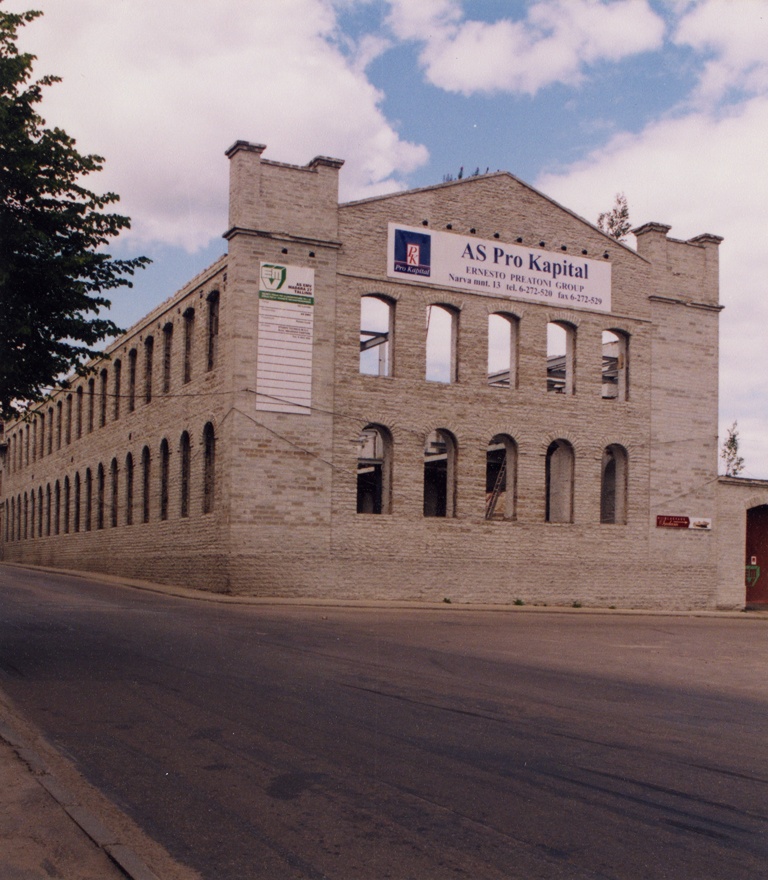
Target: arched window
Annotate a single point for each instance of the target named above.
(88, 499)
(209, 468)
(26, 445)
(376, 335)
(559, 478)
(185, 462)
(213, 329)
(115, 491)
(502, 350)
(77, 501)
(149, 348)
(59, 424)
(146, 468)
(615, 366)
(103, 398)
(67, 500)
(167, 354)
(561, 357)
(48, 510)
(42, 434)
(189, 335)
(442, 339)
(164, 466)
(32, 514)
(13, 519)
(26, 515)
(129, 489)
(501, 478)
(100, 481)
(40, 512)
(613, 485)
(117, 370)
(91, 403)
(79, 413)
(374, 470)
(50, 430)
(68, 432)
(57, 508)
(132, 380)
(440, 474)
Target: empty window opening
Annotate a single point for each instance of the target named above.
(67, 499)
(559, 479)
(103, 399)
(32, 514)
(502, 350)
(615, 366)
(77, 502)
(501, 478)
(149, 350)
(68, 431)
(100, 481)
(114, 481)
(117, 370)
(213, 329)
(57, 508)
(88, 499)
(40, 512)
(26, 515)
(376, 336)
(440, 474)
(146, 469)
(613, 485)
(561, 357)
(209, 468)
(167, 356)
(132, 380)
(42, 435)
(59, 421)
(189, 335)
(164, 466)
(373, 470)
(441, 344)
(48, 518)
(79, 413)
(91, 403)
(129, 489)
(185, 456)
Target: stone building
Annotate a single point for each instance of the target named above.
(461, 392)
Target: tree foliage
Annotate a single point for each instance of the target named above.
(616, 221)
(729, 453)
(54, 271)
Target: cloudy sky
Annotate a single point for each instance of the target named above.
(665, 100)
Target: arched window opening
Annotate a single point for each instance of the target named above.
(374, 465)
(615, 365)
(91, 403)
(48, 517)
(42, 435)
(88, 499)
(613, 485)
(100, 481)
(26, 515)
(213, 329)
(67, 500)
(376, 335)
(186, 458)
(442, 338)
(77, 501)
(561, 357)
(117, 370)
(501, 478)
(50, 430)
(13, 519)
(32, 514)
(209, 468)
(129, 489)
(59, 425)
(57, 508)
(164, 466)
(113, 479)
(40, 512)
(132, 380)
(103, 399)
(68, 431)
(167, 356)
(559, 478)
(146, 468)
(440, 474)
(79, 413)
(502, 350)
(189, 335)
(149, 350)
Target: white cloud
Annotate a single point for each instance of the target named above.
(735, 35)
(555, 42)
(701, 173)
(161, 89)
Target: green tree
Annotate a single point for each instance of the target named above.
(616, 221)
(53, 267)
(729, 453)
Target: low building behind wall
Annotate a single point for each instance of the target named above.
(460, 392)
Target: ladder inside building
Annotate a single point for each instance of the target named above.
(490, 504)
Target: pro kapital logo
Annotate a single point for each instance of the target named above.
(413, 252)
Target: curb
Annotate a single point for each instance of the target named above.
(123, 856)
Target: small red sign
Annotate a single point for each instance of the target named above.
(672, 522)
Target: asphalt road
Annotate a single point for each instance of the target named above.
(285, 742)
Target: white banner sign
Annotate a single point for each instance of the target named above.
(286, 317)
(497, 269)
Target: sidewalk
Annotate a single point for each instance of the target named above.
(44, 832)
